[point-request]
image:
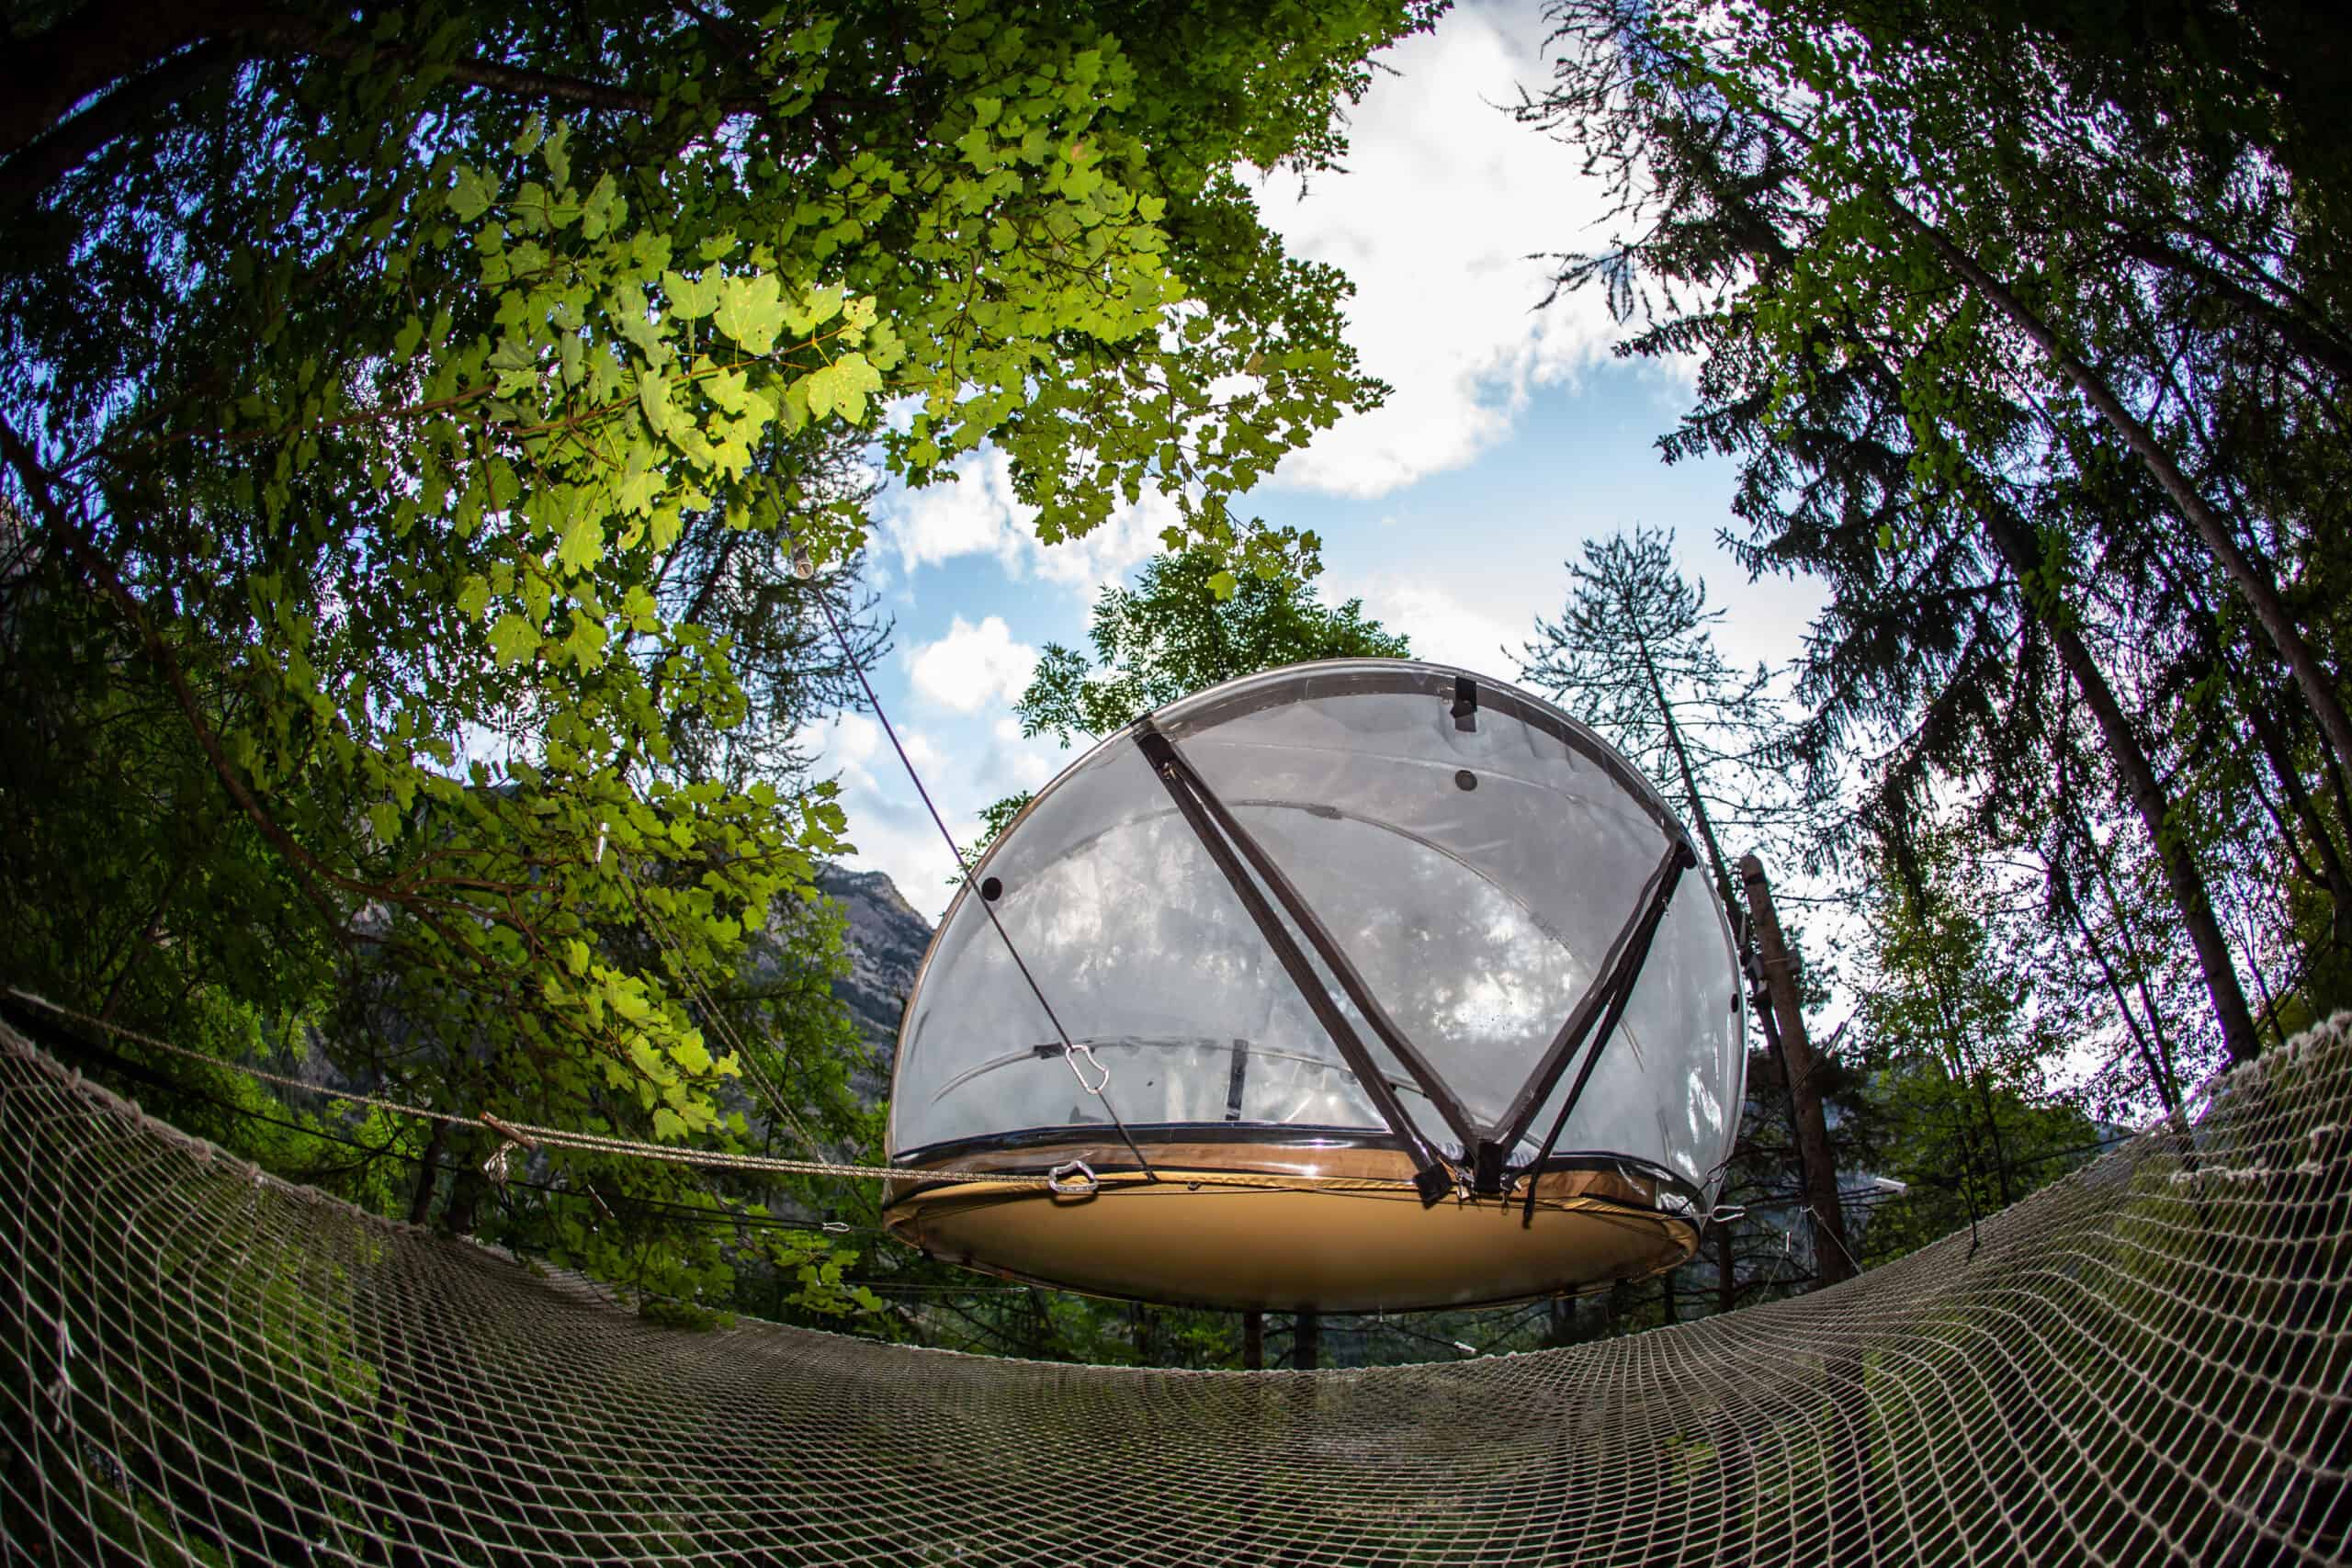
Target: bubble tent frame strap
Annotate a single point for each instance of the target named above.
(1229, 844)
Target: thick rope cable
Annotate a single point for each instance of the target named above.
(536, 1134)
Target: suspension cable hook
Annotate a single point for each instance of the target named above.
(494, 1168)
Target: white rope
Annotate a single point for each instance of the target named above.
(533, 1135)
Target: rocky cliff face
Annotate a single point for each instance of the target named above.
(887, 940)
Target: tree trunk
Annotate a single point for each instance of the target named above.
(1254, 1341)
(2022, 551)
(2332, 872)
(101, 43)
(428, 1170)
(1306, 1341)
(2261, 594)
(2133, 952)
(2278, 747)
(1832, 1260)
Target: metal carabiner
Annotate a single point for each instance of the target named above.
(1072, 1056)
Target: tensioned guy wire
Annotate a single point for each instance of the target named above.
(806, 570)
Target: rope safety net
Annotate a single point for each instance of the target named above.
(2149, 1361)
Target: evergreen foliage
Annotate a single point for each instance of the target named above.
(1988, 307)
(1633, 655)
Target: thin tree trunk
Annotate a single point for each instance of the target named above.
(1254, 1341)
(428, 1171)
(2157, 1076)
(1306, 1341)
(2332, 872)
(2312, 339)
(1978, 1080)
(1832, 1261)
(2207, 624)
(1682, 763)
(2260, 593)
(2133, 952)
(2278, 747)
(2022, 551)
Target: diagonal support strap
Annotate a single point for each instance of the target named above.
(1619, 987)
(1618, 965)
(1335, 958)
(1214, 826)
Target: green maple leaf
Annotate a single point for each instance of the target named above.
(583, 542)
(751, 310)
(513, 639)
(475, 194)
(691, 297)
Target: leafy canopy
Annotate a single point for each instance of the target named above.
(393, 381)
(1185, 626)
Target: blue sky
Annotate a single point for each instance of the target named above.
(1510, 436)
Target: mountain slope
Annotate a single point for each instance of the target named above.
(887, 940)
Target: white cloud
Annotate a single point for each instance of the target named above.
(973, 514)
(977, 513)
(1447, 198)
(1121, 542)
(925, 756)
(1024, 761)
(1484, 637)
(843, 744)
(894, 833)
(972, 667)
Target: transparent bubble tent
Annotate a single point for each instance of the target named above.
(1373, 920)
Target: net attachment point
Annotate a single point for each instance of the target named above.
(1073, 1178)
(1433, 1183)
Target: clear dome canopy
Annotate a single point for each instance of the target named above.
(1375, 904)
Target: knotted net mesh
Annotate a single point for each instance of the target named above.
(2143, 1362)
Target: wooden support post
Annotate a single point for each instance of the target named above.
(1254, 1341)
(1832, 1260)
(1306, 1343)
